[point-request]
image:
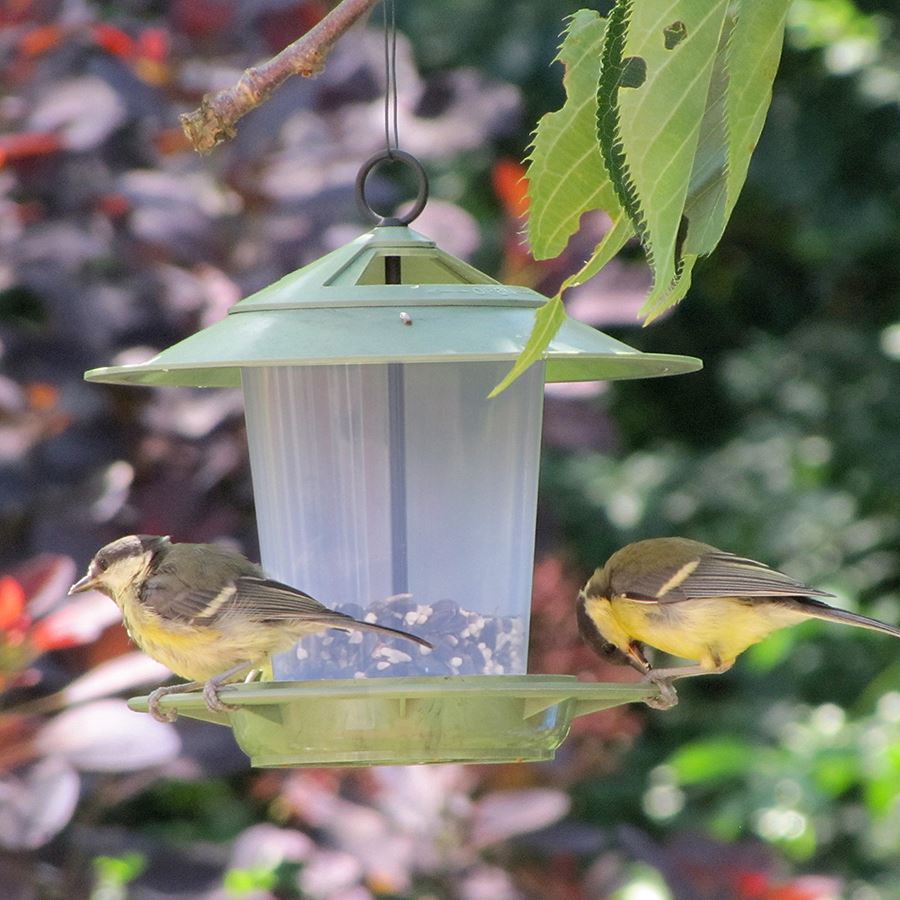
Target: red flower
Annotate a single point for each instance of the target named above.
(13, 619)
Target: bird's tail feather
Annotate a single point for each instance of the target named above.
(831, 614)
(382, 629)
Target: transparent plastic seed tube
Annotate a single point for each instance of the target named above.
(399, 494)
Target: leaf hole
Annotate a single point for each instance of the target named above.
(634, 72)
(674, 34)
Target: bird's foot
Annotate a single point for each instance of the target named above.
(153, 707)
(667, 698)
(211, 697)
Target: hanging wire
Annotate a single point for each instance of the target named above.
(391, 130)
(392, 151)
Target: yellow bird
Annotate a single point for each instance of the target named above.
(693, 601)
(207, 613)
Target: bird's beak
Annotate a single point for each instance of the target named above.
(637, 658)
(83, 584)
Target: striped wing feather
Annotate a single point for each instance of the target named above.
(241, 593)
(716, 574)
(252, 597)
(269, 599)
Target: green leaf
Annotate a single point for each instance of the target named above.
(740, 94)
(775, 649)
(715, 759)
(239, 882)
(678, 143)
(547, 321)
(612, 243)
(664, 106)
(659, 301)
(567, 178)
(550, 317)
(116, 871)
(836, 771)
(753, 55)
(566, 174)
(607, 125)
(705, 213)
(649, 129)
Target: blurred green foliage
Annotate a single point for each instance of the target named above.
(787, 448)
(209, 809)
(113, 873)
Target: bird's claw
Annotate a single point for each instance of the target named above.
(667, 697)
(212, 699)
(153, 707)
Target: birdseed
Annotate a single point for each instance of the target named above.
(466, 642)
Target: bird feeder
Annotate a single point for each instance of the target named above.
(388, 486)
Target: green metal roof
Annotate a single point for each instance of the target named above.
(339, 310)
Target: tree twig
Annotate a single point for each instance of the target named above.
(215, 119)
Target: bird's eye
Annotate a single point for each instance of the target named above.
(102, 564)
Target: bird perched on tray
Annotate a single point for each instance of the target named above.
(206, 612)
(693, 601)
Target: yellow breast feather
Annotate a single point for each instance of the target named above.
(713, 631)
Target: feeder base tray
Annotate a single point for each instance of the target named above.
(405, 721)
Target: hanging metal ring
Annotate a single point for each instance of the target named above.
(375, 162)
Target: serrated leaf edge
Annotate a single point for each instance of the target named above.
(608, 126)
(552, 237)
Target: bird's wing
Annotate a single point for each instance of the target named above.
(248, 596)
(270, 599)
(713, 574)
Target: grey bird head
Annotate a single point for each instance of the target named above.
(120, 564)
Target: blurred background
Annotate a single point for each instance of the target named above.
(779, 780)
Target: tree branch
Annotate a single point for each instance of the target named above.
(215, 119)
